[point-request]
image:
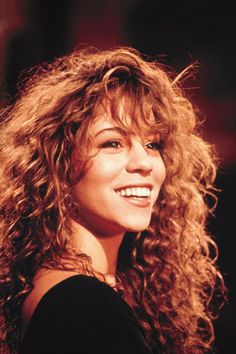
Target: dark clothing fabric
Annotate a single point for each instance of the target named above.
(82, 315)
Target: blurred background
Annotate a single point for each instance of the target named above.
(178, 33)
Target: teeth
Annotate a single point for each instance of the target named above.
(122, 192)
(128, 192)
(135, 192)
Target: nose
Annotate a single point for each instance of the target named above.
(139, 159)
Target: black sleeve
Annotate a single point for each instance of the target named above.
(82, 315)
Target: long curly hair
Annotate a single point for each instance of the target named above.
(169, 274)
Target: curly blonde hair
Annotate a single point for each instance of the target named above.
(171, 275)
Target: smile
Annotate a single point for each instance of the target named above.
(134, 192)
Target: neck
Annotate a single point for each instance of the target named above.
(103, 251)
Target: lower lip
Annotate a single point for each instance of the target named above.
(140, 202)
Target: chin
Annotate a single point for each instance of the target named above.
(137, 228)
(137, 224)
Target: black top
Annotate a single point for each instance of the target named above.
(82, 315)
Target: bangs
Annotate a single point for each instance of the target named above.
(135, 111)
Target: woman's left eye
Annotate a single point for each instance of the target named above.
(155, 145)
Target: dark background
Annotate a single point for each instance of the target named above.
(36, 31)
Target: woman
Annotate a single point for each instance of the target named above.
(104, 188)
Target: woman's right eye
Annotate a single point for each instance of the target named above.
(112, 144)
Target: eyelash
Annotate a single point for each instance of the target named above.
(112, 144)
(156, 146)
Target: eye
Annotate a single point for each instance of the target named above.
(112, 144)
(155, 145)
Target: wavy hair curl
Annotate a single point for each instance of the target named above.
(171, 274)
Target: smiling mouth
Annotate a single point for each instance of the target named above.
(135, 192)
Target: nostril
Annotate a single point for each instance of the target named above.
(140, 164)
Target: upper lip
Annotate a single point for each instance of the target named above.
(135, 185)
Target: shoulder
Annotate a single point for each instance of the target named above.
(83, 312)
(77, 295)
(69, 294)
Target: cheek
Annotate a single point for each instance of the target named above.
(106, 168)
(160, 172)
(163, 169)
(101, 173)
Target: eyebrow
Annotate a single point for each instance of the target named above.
(119, 131)
(115, 129)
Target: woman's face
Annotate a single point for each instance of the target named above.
(122, 183)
